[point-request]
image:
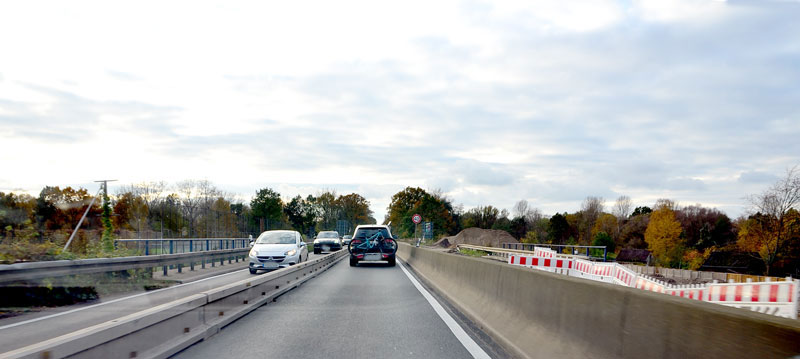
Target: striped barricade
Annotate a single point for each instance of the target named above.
(603, 272)
(775, 298)
(544, 252)
(555, 265)
(645, 283)
(694, 292)
(625, 276)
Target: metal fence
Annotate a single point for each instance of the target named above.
(181, 245)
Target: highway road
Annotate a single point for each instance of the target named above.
(20, 332)
(350, 312)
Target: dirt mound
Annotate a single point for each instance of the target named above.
(478, 237)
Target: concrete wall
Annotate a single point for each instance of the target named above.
(540, 314)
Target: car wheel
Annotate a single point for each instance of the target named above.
(317, 251)
(253, 271)
(392, 261)
(353, 261)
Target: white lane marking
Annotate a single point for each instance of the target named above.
(112, 301)
(462, 336)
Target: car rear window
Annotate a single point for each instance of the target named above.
(328, 235)
(364, 233)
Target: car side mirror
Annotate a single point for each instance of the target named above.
(302, 244)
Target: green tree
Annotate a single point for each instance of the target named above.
(558, 229)
(604, 239)
(302, 214)
(432, 207)
(108, 229)
(267, 205)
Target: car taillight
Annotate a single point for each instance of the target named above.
(385, 256)
(359, 256)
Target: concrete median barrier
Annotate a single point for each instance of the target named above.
(164, 330)
(542, 314)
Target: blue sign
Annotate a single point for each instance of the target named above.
(427, 230)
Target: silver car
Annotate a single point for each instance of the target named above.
(277, 249)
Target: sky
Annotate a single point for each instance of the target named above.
(489, 102)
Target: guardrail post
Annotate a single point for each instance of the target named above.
(191, 246)
(220, 244)
(146, 248)
(171, 247)
(207, 244)
(203, 263)
(180, 268)
(165, 271)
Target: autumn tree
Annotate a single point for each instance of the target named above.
(328, 210)
(631, 234)
(704, 227)
(769, 229)
(606, 223)
(432, 207)
(354, 208)
(663, 234)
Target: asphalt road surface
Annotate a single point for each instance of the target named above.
(20, 332)
(346, 312)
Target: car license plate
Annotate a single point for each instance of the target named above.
(326, 248)
(372, 257)
(270, 265)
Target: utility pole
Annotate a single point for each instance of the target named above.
(104, 190)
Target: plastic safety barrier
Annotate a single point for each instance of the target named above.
(774, 298)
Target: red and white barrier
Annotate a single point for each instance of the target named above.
(775, 298)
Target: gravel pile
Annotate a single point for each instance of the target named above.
(478, 237)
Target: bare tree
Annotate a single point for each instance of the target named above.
(190, 199)
(772, 207)
(622, 208)
(521, 209)
(591, 208)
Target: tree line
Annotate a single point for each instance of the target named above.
(35, 228)
(678, 236)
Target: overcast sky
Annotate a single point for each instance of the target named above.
(491, 102)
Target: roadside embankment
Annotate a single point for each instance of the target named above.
(540, 314)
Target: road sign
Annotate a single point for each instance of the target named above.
(427, 230)
(416, 218)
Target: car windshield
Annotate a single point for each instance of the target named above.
(364, 233)
(328, 235)
(276, 238)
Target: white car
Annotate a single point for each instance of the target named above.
(277, 249)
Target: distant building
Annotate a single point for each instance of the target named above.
(631, 255)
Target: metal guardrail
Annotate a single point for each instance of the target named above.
(575, 248)
(181, 245)
(48, 269)
(504, 252)
(166, 329)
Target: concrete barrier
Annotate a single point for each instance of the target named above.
(164, 330)
(541, 314)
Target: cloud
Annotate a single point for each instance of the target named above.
(757, 177)
(492, 102)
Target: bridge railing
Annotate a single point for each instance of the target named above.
(50, 269)
(181, 245)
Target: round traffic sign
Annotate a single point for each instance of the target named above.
(416, 219)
